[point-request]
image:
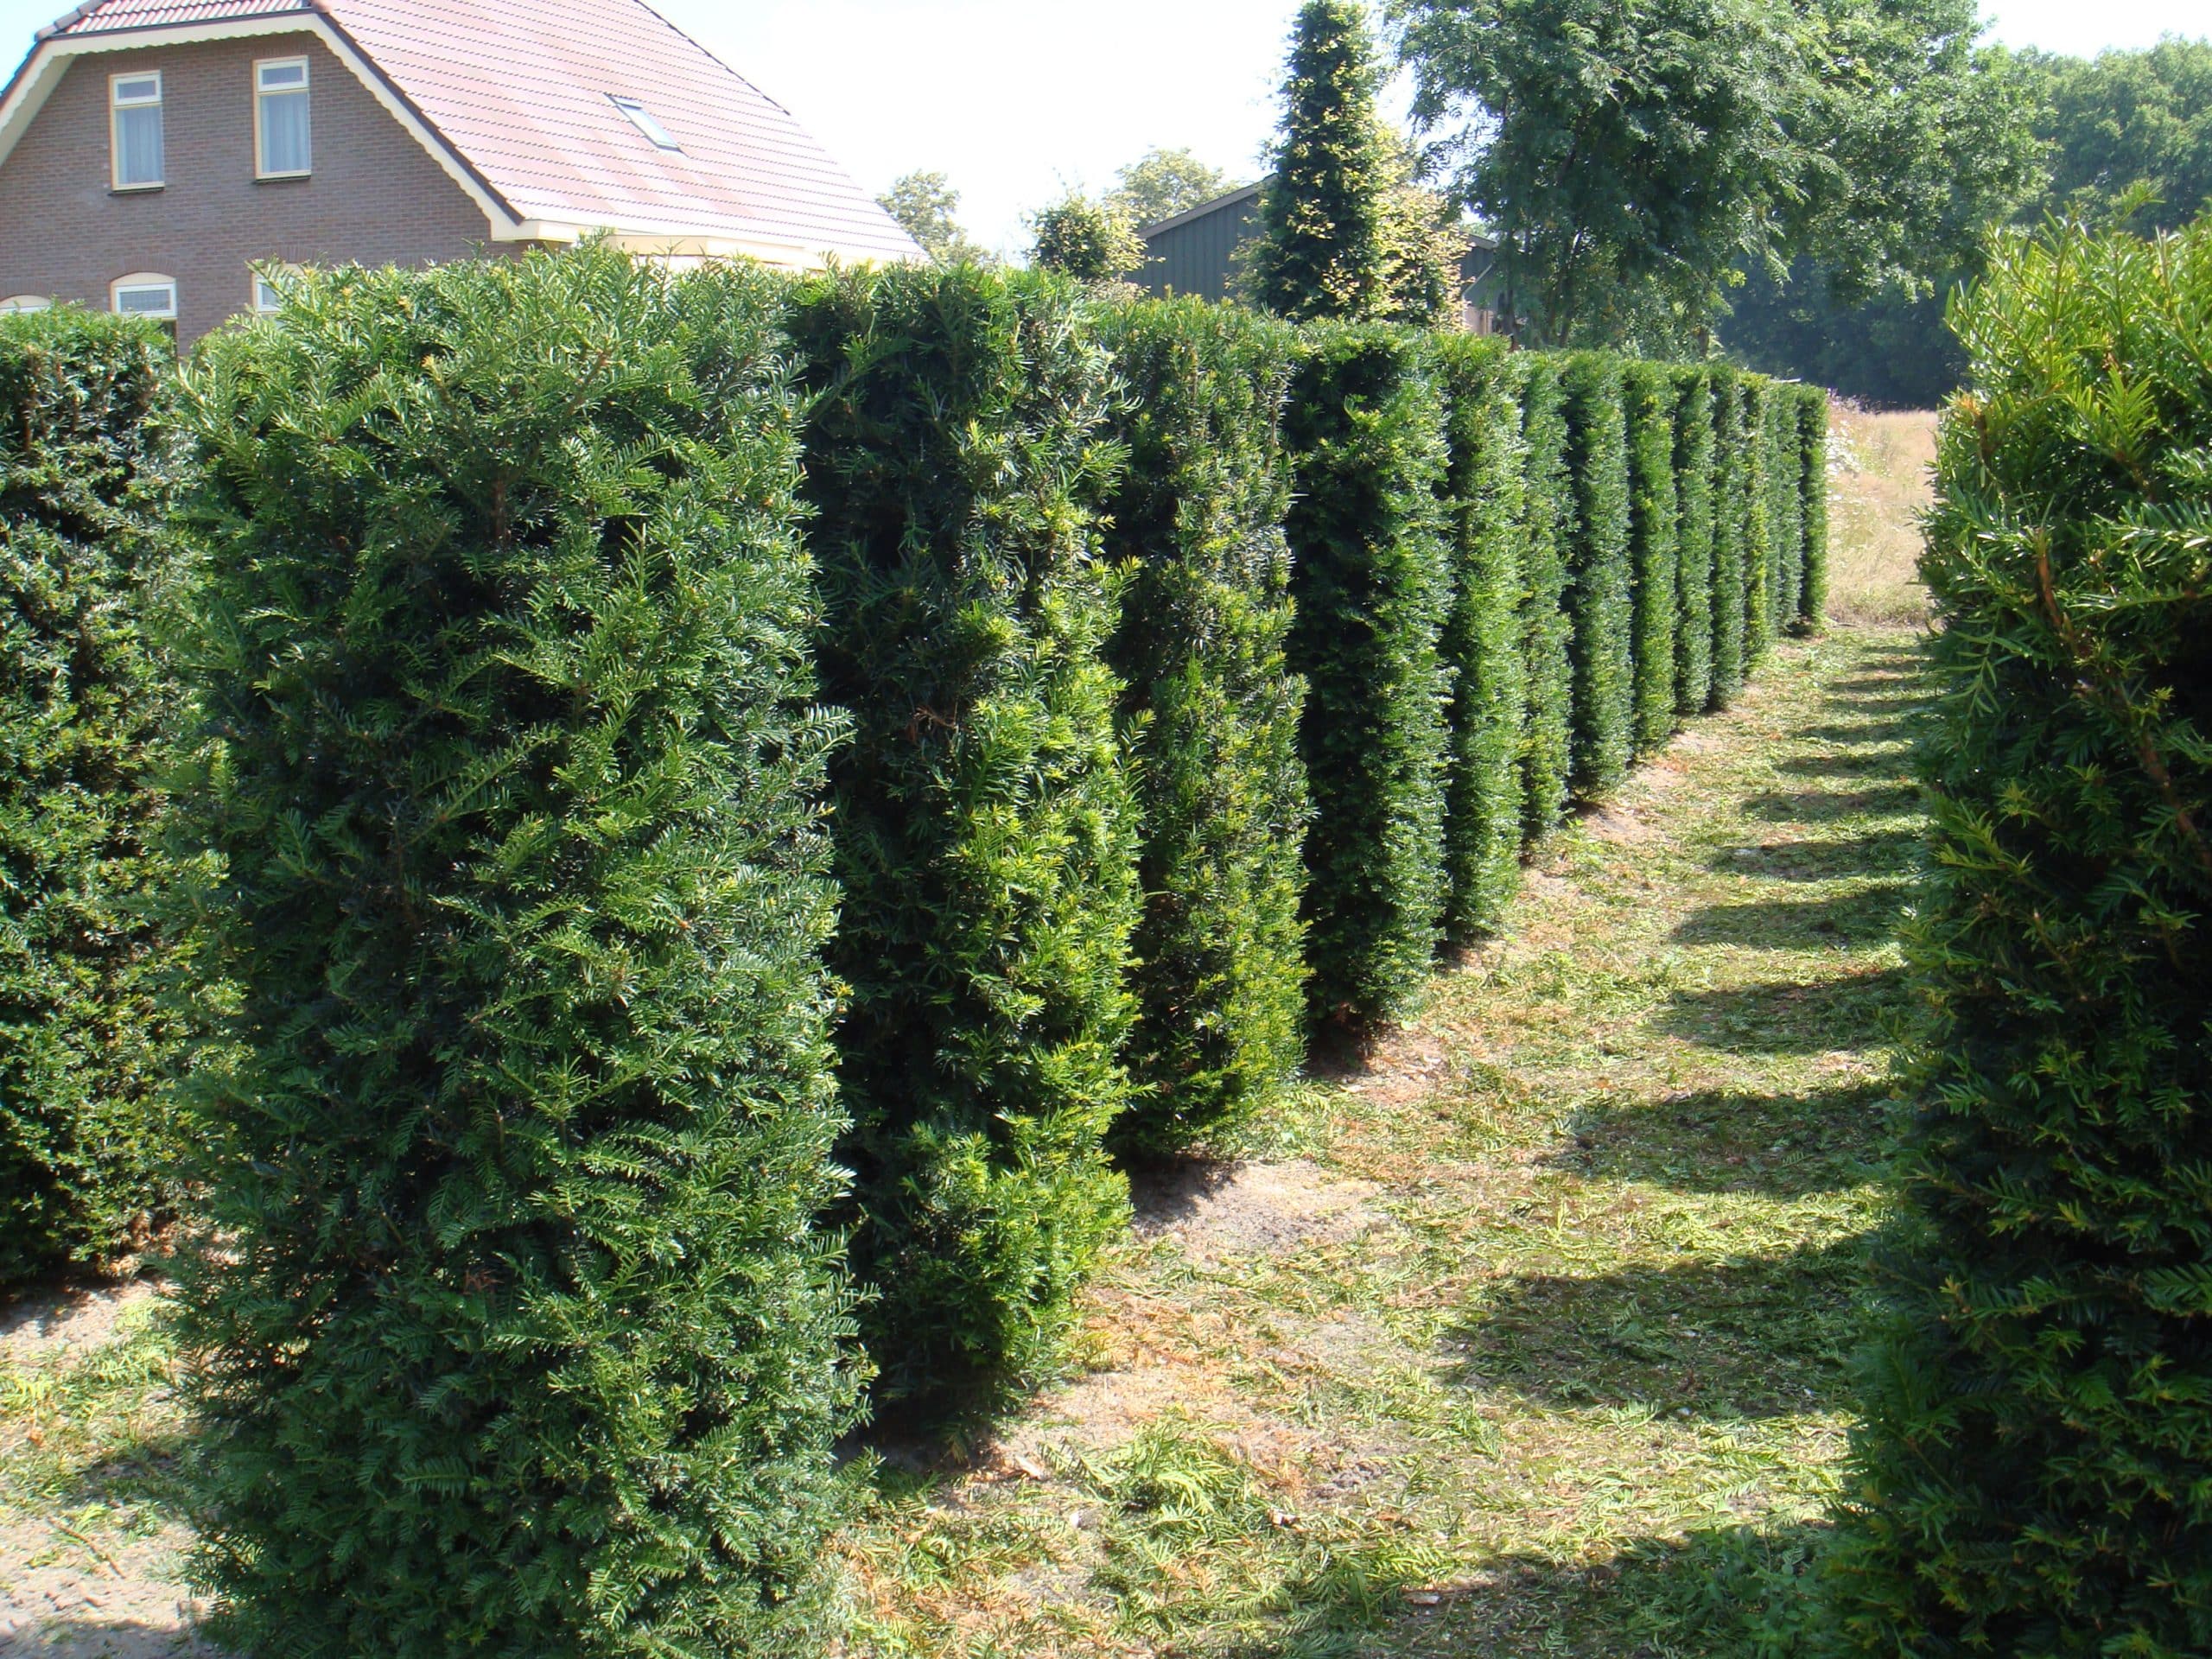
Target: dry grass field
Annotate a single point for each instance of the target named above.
(1878, 486)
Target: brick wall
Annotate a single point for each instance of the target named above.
(376, 197)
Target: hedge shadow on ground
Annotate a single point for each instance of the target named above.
(1900, 730)
(1789, 1017)
(1749, 1336)
(1861, 762)
(1866, 916)
(1825, 806)
(1720, 1140)
(1892, 852)
(1718, 1593)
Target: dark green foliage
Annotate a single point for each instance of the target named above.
(1343, 232)
(1785, 512)
(1731, 525)
(1601, 589)
(1212, 713)
(1648, 390)
(1813, 508)
(512, 1331)
(1693, 541)
(86, 1144)
(958, 454)
(1755, 502)
(1091, 241)
(1548, 496)
(1482, 643)
(1370, 575)
(2030, 1480)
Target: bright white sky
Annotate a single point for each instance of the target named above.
(1017, 99)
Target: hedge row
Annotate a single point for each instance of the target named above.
(2031, 1476)
(1192, 678)
(87, 1151)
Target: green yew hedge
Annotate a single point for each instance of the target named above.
(958, 452)
(1731, 537)
(659, 742)
(1600, 576)
(1485, 493)
(1654, 508)
(1548, 675)
(1195, 525)
(2031, 1475)
(87, 1147)
(1372, 584)
(1812, 454)
(512, 1327)
(1694, 532)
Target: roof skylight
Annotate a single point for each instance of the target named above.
(643, 119)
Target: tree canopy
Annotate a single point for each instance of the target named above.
(1091, 241)
(1162, 183)
(1634, 157)
(2101, 130)
(927, 206)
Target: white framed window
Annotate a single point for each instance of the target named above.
(282, 139)
(643, 120)
(269, 286)
(135, 129)
(144, 294)
(16, 302)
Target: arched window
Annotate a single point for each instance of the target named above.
(144, 294)
(16, 302)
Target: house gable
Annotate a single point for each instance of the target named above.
(375, 195)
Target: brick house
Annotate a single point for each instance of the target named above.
(166, 156)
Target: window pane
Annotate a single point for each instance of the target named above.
(144, 89)
(276, 75)
(138, 145)
(284, 132)
(146, 300)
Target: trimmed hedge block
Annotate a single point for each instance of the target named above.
(2030, 1478)
(1731, 537)
(958, 451)
(1211, 712)
(1600, 594)
(87, 1143)
(1648, 391)
(1812, 512)
(1693, 540)
(1548, 494)
(512, 1329)
(1482, 643)
(1755, 480)
(1373, 588)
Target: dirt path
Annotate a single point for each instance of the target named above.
(1530, 1341)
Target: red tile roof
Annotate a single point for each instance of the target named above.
(101, 15)
(523, 92)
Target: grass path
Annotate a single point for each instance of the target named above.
(1530, 1339)
(1533, 1339)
